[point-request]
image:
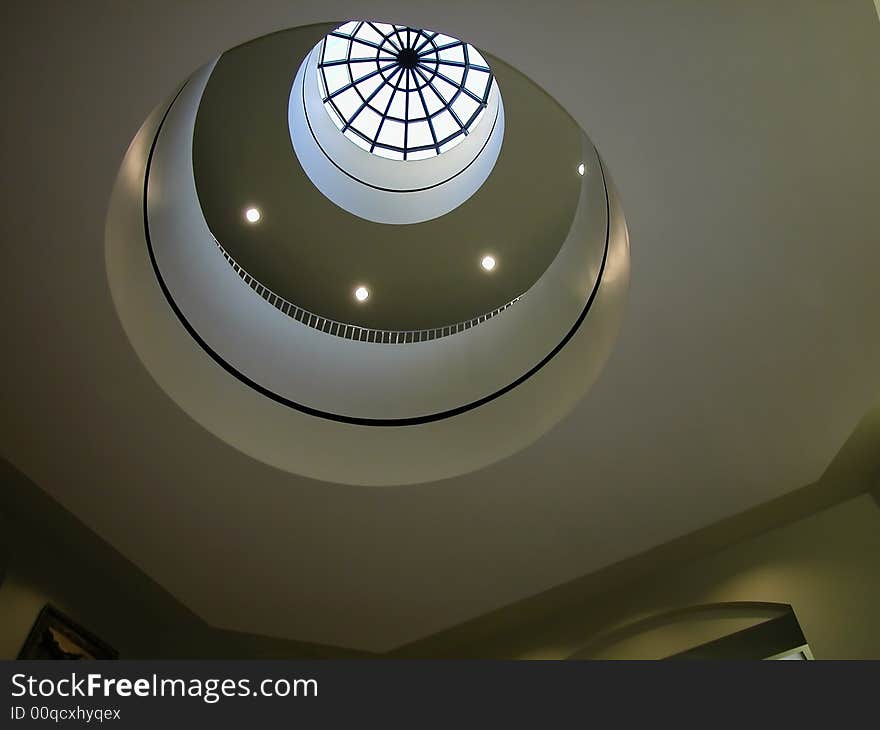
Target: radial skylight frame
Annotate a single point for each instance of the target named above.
(400, 92)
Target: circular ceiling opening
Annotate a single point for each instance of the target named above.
(399, 92)
(395, 124)
(281, 381)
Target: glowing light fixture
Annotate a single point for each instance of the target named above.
(488, 263)
(362, 293)
(581, 169)
(252, 215)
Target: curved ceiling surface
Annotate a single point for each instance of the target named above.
(313, 253)
(748, 354)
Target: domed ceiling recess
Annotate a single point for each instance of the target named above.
(368, 224)
(314, 253)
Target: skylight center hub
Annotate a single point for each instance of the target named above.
(408, 58)
(402, 93)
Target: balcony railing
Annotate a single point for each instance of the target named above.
(354, 331)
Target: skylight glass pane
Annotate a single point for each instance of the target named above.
(443, 40)
(447, 91)
(384, 28)
(368, 33)
(348, 27)
(361, 50)
(398, 105)
(454, 73)
(432, 101)
(404, 88)
(368, 86)
(477, 82)
(456, 53)
(419, 135)
(444, 125)
(380, 101)
(465, 107)
(335, 48)
(336, 76)
(367, 123)
(416, 108)
(392, 134)
(348, 103)
(476, 58)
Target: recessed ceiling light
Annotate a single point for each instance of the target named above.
(581, 169)
(362, 293)
(252, 215)
(488, 263)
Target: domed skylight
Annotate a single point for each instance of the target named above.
(399, 92)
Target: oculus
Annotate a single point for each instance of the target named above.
(399, 92)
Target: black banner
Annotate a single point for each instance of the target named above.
(192, 694)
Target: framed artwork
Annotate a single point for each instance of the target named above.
(56, 636)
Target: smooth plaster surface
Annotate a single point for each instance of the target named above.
(742, 137)
(824, 566)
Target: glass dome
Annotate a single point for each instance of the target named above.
(399, 92)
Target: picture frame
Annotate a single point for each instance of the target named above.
(55, 635)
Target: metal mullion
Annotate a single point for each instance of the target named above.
(362, 78)
(426, 68)
(461, 88)
(449, 107)
(406, 115)
(461, 64)
(351, 39)
(402, 120)
(391, 40)
(464, 76)
(488, 89)
(397, 31)
(440, 96)
(473, 116)
(397, 85)
(340, 61)
(428, 117)
(449, 45)
(347, 67)
(323, 76)
(457, 121)
(385, 113)
(384, 36)
(425, 42)
(362, 107)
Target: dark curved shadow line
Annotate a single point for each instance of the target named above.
(668, 618)
(411, 421)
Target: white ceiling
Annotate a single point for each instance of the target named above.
(743, 139)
